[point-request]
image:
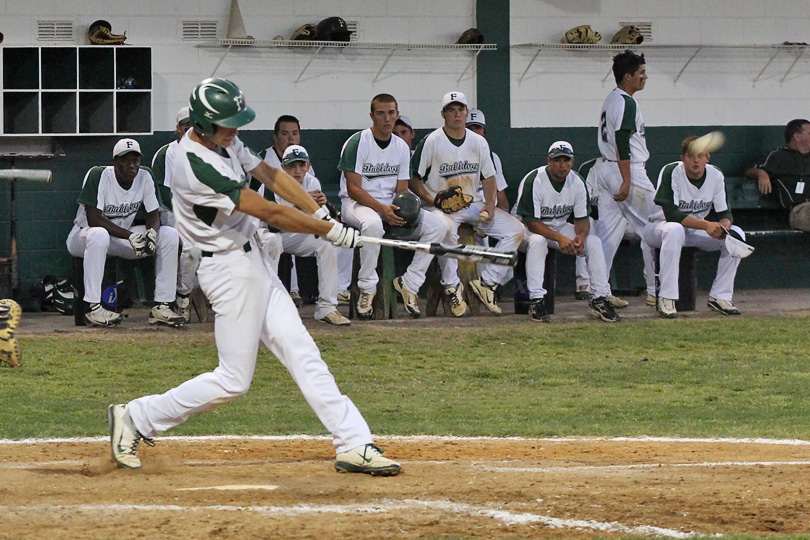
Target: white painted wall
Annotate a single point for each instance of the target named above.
(566, 88)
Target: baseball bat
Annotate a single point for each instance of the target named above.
(29, 175)
(463, 252)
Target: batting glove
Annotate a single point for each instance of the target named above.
(138, 242)
(343, 236)
(322, 213)
(151, 241)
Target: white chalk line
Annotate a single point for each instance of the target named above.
(576, 468)
(384, 506)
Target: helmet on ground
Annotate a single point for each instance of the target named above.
(218, 102)
(333, 29)
(410, 209)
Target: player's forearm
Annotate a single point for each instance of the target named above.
(96, 219)
(416, 185)
(582, 227)
(283, 217)
(490, 191)
(538, 227)
(285, 186)
(153, 220)
(624, 169)
(361, 196)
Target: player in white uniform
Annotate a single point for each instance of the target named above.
(687, 191)
(108, 202)
(455, 156)
(374, 167)
(217, 212)
(625, 191)
(189, 255)
(547, 197)
(295, 162)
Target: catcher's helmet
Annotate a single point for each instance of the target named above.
(218, 102)
(410, 209)
(333, 29)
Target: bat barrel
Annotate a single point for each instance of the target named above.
(28, 175)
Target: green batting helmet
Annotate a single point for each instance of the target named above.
(218, 102)
(410, 209)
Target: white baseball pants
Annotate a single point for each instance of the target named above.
(536, 247)
(345, 261)
(95, 243)
(670, 237)
(307, 245)
(251, 304)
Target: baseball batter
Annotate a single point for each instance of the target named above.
(687, 191)
(217, 212)
(455, 156)
(547, 197)
(625, 191)
(108, 202)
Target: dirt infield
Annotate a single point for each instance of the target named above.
(471, 488)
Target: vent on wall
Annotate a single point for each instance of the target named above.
(199, 30)
(644, 27)
(352, 26)
(54, 31)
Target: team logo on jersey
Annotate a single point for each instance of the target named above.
(446, 170)
(380, 170)
(556, 211)
(121, 210)
(694, 207)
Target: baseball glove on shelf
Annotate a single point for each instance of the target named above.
(305, 32)
(582, 34)
(628, 35)
(452, 200)
(100, 33)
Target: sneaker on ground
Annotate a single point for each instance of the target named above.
(296, 298)
(344, 298)
(99, 316)
(458, 307)
(366, 459)
(616, 302)
(364, 308)
(538, 310)
(486, 293)
(183, 306)
(583, 292)
(335, 318)
(651, 300)
(163, 314)
(722, 306)
(666, 308)
(124, 437)
(602, 309)
(408, 298)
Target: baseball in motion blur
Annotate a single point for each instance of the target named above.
(708, 143)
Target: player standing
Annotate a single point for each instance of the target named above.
(218, 213)
(625, 190)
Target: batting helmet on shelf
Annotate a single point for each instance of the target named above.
(305, 32)
(333, 29)
(100, 33)
(582, 34)
(410, 209)
(628, 35)
(470, 36)
(218, 102)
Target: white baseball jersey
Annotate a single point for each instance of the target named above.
(101, 190)
(540, 199)
(443, 162)
(208, 183)
(500, 179)
(675, 187)
(621, 112)
(162, 163)
(379, 168)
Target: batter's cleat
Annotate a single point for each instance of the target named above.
(583, 292)
(538, 310)
(364, 308)
(124, 437)
(408, 298)
(163, 314)
(458, 307)
(296, 298)
(344, 298)
(666, 308)
(335, 318)
(602, 309)
(366, 459)
(14, 314)
(722, 306)
(99, 316)
(616, 302)
(182, 306)
(486, 293)
(651, 300)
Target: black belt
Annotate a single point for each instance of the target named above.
(246, 247)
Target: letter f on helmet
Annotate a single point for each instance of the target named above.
(218, 102)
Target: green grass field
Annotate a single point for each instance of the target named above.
(729, 377)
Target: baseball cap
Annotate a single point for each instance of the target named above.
(453, 97)
(476, 117)
(405, 120)
(183, 115)
(294, 152)
(560, 148)
(125, 146)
